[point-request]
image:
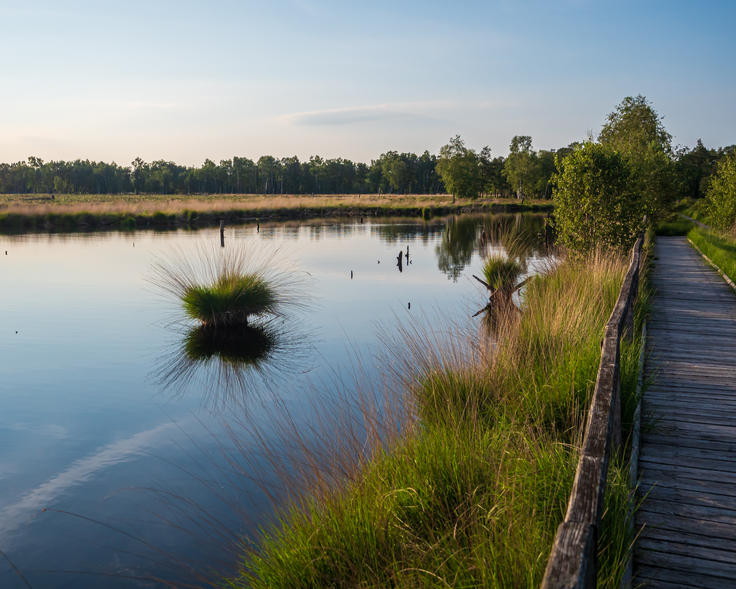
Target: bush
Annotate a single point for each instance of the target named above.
(721, 195)
(597, 203)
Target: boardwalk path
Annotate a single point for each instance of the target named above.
(688, 453)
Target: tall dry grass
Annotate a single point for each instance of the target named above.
(455, 467)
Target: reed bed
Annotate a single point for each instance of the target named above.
(456, 469)
(68, 212)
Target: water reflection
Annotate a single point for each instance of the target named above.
(230, 366)
(467, 234)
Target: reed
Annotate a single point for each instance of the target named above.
(68, 212)
(457, 471)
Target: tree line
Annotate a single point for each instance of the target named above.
(457, 170)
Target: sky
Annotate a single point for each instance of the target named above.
(187, 80)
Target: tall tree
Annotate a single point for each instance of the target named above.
(635, 129)
(521, 167)
(459, 170)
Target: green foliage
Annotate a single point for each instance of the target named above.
(596, 200)
(674, 225)
(459, 169)
(721, 195)
(633, 126)
(636, 130)
(427, 213)
(229, 300)
(128, 223)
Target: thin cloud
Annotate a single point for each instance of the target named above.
(361, 114)
(156, 105)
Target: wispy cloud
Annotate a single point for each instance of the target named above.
(152, 105)
(364, 114)
(433, 110)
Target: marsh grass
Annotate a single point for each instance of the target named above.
(230, 299)
(224, 287)
(457, 469)
(70, 211)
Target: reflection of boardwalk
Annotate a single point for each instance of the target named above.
(688, 454)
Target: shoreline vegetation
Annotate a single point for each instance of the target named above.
(468, 485)
(20, 214)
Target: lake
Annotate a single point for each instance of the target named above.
(117, 464)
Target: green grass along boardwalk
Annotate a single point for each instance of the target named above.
(688, 451)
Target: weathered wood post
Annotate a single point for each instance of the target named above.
(222, 232)
(572, 562)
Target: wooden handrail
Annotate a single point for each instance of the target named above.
(572, 562)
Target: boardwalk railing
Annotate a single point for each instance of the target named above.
(572, 563)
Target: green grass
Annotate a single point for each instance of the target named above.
(218, 287)
(720, 248)
(229, 300)
(469, 488)
(674, 225)
(501, 272)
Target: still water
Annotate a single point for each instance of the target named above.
(94, 442)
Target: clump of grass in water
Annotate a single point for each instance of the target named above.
(501, 272)
(230, 300)
(224, 288)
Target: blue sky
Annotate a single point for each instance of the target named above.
(187, 80)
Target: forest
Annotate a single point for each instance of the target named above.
(456, 170)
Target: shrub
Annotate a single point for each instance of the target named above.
(596, 200)
(721, 195)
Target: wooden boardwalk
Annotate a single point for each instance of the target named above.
(688, 450)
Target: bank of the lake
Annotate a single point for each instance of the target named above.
(69, 212)
(466, 487)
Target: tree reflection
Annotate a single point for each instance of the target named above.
(466, 235)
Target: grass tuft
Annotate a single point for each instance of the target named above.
(501, 272)
(223, 288)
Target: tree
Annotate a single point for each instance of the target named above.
(721, 195)
(635, 129)
(522, 166)
(458, 168)
(633, 126)
(596, 199)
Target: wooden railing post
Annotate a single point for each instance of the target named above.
(572, 562)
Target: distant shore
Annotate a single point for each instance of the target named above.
(25, 213)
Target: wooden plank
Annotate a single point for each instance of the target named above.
(708, 445)
(682, 451)
(656, 479)
(699, 497)
(674, 546)
(653, 576)
(719, 574)
(686, 525)
(675, 472)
